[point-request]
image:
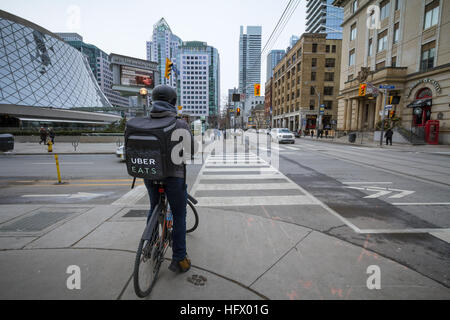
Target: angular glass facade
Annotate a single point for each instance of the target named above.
(38, 69)
(323, 17)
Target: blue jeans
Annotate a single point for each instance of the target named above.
(176, 192)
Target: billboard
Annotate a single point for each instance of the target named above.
(136, 77)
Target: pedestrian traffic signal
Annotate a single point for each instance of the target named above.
(169, 66)
(257, 90)
(362, 89)
(238, 112)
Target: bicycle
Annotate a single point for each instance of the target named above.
(155, 240)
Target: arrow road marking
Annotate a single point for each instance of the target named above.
(384, 191)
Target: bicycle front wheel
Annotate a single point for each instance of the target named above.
(191, 217)
(148, 262)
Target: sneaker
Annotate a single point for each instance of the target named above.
(180, 266)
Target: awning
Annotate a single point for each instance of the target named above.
(421, 103)
(59, 120)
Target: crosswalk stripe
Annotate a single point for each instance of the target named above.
(252, 201)
(241, 169)
(265, 186)
(242, 177)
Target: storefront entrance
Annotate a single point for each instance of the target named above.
(422, 107)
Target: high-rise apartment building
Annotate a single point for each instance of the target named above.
(164, 44)
(249, 59)
(323, 17)
(408, 49)
(199, 79)
(273, 58)
(99, 63)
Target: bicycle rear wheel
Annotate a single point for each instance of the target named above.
(149, 257)
(191, 217)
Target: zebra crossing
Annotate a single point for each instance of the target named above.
(245, 179)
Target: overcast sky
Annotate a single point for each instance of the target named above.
(123, 27)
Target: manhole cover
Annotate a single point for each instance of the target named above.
(136, 214)
(197, 280)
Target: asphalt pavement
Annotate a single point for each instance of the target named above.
(304, 221)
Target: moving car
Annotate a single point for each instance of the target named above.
(282, 135)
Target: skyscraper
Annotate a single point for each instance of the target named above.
(164, 45)
(199, 80)
(99, 63)
(323, 17)
(249, 59)
(273, 58)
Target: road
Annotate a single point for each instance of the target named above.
(340, 207)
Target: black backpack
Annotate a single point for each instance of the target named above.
(148, 147)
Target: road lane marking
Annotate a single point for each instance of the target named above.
(367, 183)
(444, 236)
(69, 196)
(62, 162)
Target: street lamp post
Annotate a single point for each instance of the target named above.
(143, 93)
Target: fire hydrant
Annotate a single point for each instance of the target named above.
(50, 146)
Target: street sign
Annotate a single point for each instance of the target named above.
(388, 107)
(322, 109)
(387, 87)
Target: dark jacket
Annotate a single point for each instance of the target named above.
(161, 110)
(389, 133)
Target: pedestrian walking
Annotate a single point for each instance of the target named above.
(312, 133)
(51, 134)
(43, 135)
(388, 135)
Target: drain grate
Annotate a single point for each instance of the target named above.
(197, 280)
(39, 221)
(136, 214)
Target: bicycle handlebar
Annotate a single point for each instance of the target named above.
(192, 199)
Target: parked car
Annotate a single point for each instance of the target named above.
(120, 152)
(282, 135)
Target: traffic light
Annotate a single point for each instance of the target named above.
(257, 90)
(238, 112)
(169, 66)
(362, 89)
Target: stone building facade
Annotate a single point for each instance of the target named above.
(406, 47)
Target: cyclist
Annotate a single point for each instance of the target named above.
(164, 100)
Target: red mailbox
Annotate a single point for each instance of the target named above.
(432, 132)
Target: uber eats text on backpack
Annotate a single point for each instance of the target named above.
(155, 147)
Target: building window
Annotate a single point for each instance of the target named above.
(396, 5)
(333, 49)
(327, 49)
(394, 62)
(312, 91)
(370, 51)
(314, 62)
(354, 6)
(351, 58)
(328, 91)
(380, 65)
(314, 47)
(396, 32)
(431, 14)
(385, 7)
(382, 41)
(329, 76)
(427, 56)
(330, 63)
(313, 76)
(353, 32)
(328, 105)
(312, 103)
